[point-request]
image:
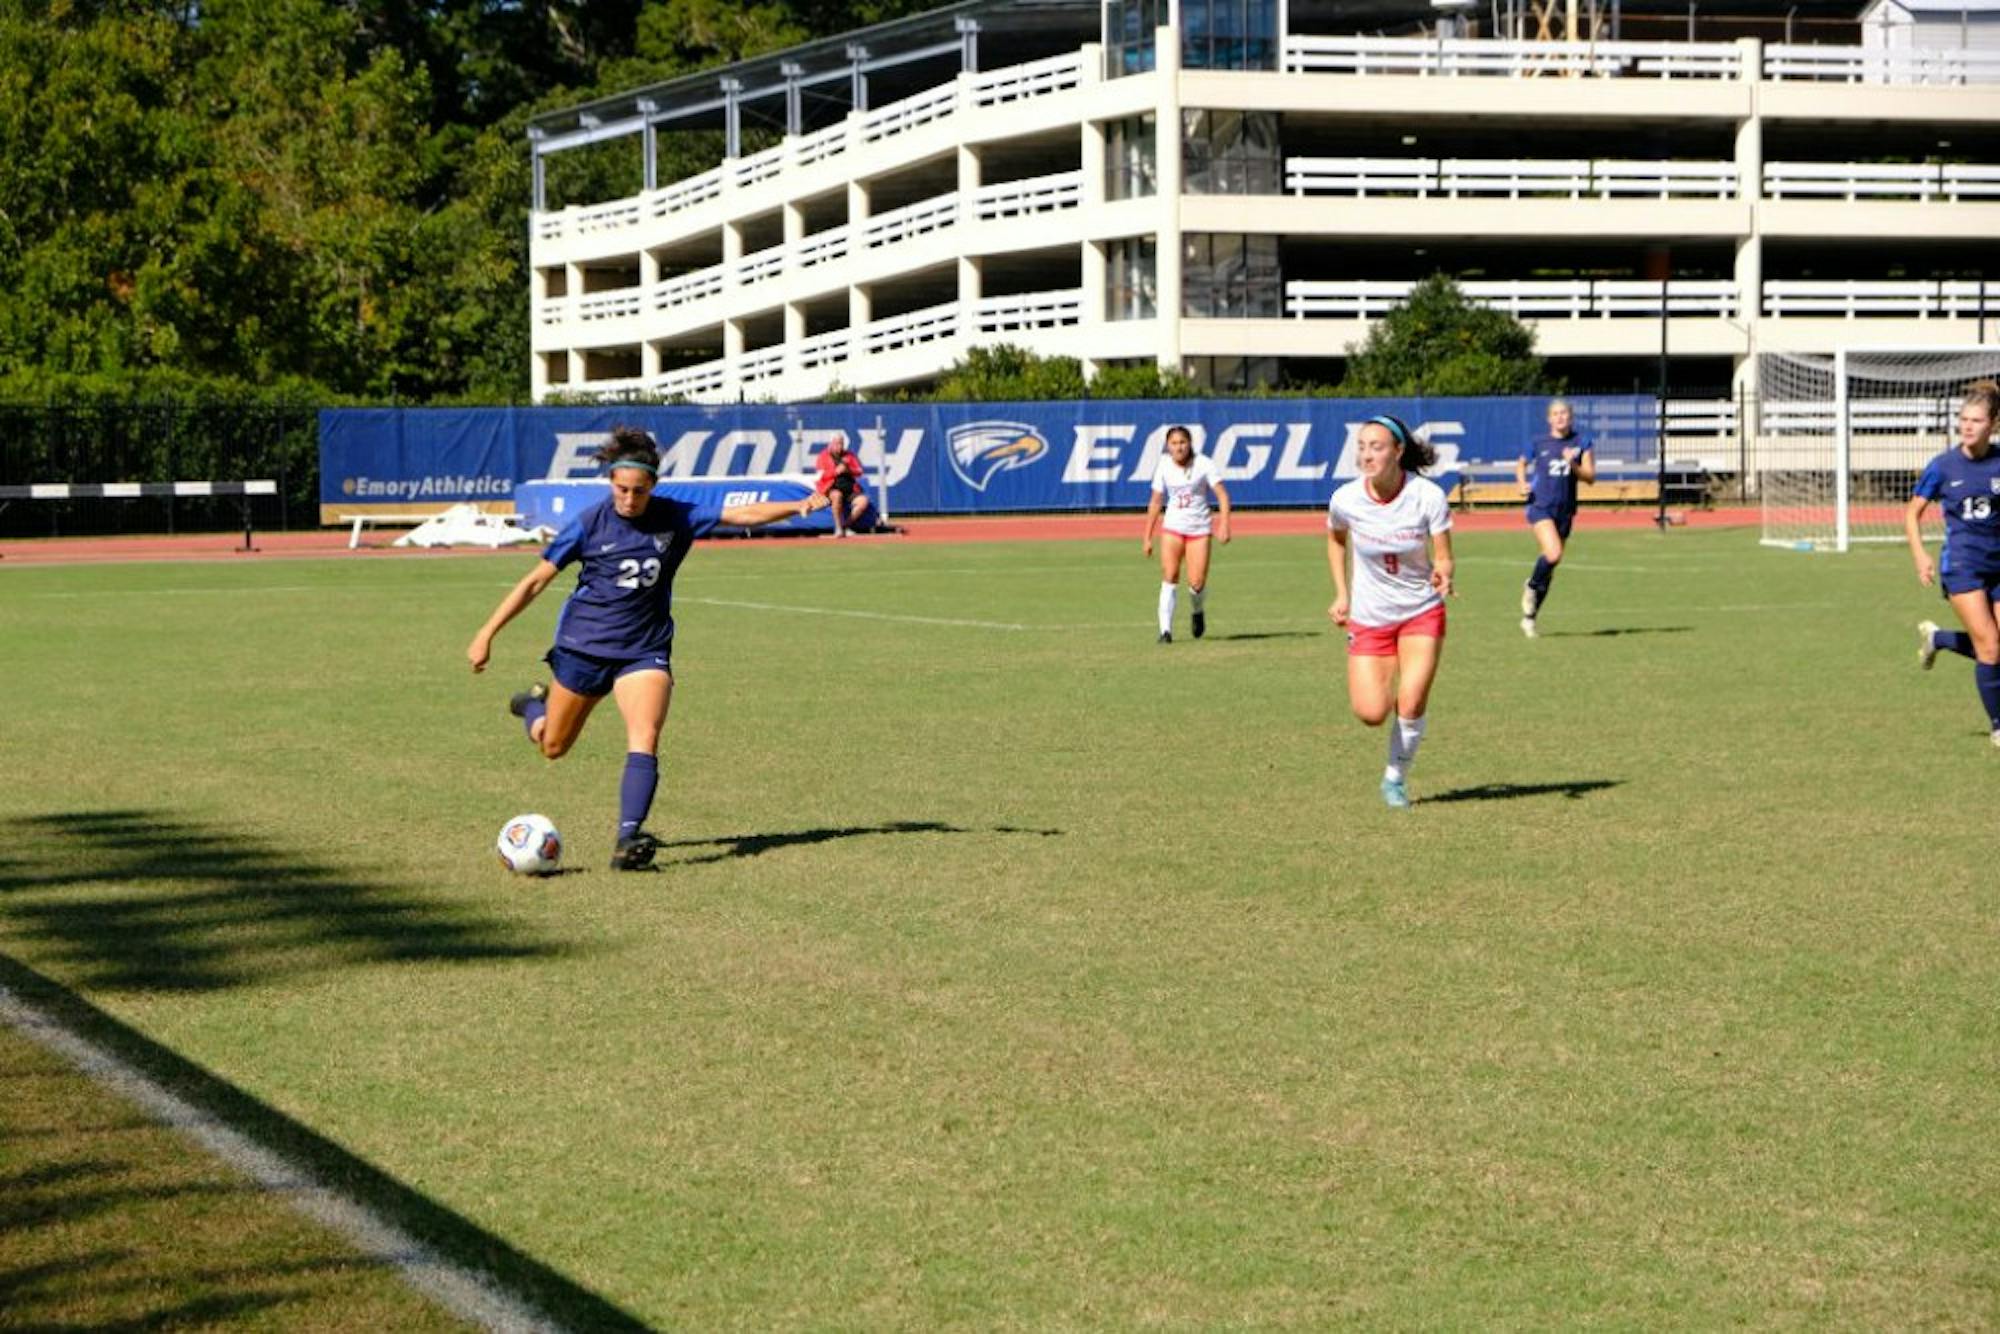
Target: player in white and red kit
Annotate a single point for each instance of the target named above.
(1398, 526)
(1179, 511)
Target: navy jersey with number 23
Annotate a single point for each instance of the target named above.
(623, 604)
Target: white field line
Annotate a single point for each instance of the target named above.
(229, 591)
(466, 1293)
(863, 615)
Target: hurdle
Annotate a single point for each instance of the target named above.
(243, 491)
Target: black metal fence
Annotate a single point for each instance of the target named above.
(166, 442)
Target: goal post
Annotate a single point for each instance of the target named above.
(1840, 439)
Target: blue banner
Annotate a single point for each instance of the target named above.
(945, 458)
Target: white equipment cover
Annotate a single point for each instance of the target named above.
(468, 526)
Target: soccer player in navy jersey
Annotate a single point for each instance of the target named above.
(1964, 481)
(1548, 470)
(616, 633)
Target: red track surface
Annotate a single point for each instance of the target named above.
(321, 543)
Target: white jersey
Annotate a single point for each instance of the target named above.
(1186, 493)
(1392, 563)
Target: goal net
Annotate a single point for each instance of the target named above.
(1840, 440)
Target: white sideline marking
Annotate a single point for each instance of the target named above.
(861, 615)
(466, 1293)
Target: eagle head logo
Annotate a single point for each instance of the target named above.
(981, 449)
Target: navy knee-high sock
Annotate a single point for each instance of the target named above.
(1952, 641)
(1544, 573)
(635, 791)
(1986, 675)
(533, 712)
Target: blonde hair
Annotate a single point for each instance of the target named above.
(1987, 394)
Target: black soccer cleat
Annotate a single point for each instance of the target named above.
(1166, 637)
(635, 853)
(1200, 624)
(518, 705)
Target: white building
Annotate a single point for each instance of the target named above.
(1238, 187)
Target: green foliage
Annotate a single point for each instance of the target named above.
(1004, 373)
(1150, 380)
(1438, 343)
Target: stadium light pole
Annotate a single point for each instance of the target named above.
(1660, 419)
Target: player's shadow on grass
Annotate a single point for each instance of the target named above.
(1268, 634)
(756, 845)
(1617, 631)
(1510, 791)
(140, 900)
(80, 1211)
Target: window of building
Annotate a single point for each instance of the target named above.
(1130, 291)
(1226, 275)
(1128, 34)
(1229, 34)
(1232, 375)
(1131, 164)
(1230, 153)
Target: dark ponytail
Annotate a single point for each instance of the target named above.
(1417, 454)
(629, 447)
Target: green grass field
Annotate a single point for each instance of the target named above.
(1009, 970)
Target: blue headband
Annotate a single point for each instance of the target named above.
(1393, 426)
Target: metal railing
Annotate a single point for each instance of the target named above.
(1039, 194)
(1925, 182)
(1511, 178)
(1860, 64)
(1581, 298)
(1486, 57)
(1948, 298)
(926, 215)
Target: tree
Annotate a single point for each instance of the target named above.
(1005, 373)
(1438, 343)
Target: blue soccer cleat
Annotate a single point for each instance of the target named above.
(1394, 795)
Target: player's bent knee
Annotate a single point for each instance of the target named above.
(554, 750)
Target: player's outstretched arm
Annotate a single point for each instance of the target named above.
(759, 513)
(518, 597)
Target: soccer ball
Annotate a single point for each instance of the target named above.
(530, 845)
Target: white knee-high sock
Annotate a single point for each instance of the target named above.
(1404, 738)
(1168, 594)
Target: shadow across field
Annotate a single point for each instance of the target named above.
(1510, 791)
(1617, 631)
(756, 845)
(102, 1190)
(1268, 634)
(141, 900)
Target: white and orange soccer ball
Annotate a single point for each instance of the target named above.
(530, 845)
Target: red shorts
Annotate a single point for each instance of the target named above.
(1379, 641)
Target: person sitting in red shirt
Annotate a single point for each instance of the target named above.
(839, 485)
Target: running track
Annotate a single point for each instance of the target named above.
(331, 542)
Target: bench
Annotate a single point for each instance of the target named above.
(1618, 483)
(361, 521)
